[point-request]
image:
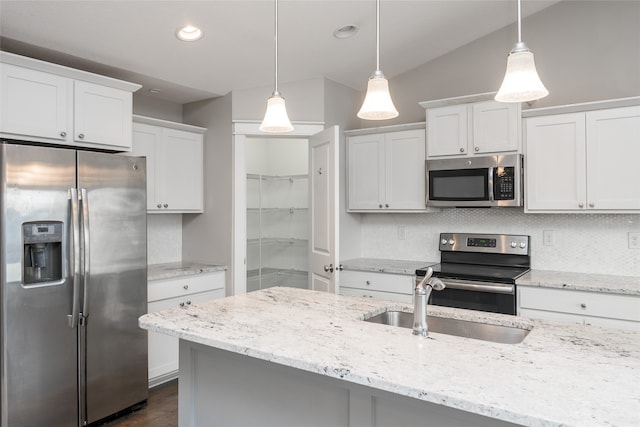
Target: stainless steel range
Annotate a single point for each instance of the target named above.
(480, 271)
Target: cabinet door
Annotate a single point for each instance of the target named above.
(495, 127)
(447, 130)
(179, 174)
(102, 116)
(146, 139)
(555, 162)
(35, 104)
(405, 170)
(613, 150)
(366, 172)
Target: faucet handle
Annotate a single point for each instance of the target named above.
(437, 284)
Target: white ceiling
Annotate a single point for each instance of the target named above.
(135, 41)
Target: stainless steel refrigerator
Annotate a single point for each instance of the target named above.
(74, 282)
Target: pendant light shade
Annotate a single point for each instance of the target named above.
(521, 82)
(377, 103)
(276, 119)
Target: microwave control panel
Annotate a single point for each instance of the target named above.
(503, 183)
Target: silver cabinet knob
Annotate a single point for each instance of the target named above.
(368, 282)
(461, 150)
(591, 204)
(166, 205)
(386, 205)
(159, 205)
(340, 267)
(63, 134)
(583, 305)
(181, 304)
(81, 136)
(581, 205)
(477, 149)
(188, 302)
(185, 287)
(380, 205)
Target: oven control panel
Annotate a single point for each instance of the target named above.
(485, 243)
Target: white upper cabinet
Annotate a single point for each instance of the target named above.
(471, 128)
(583, 161)
(48, 103)
(174, 164)
(36, 104)
(386, 169)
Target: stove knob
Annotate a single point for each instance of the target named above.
(443, 241)
(523, 245)
(451, 241)
(514, 244)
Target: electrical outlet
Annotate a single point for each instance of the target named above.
(402, 232)
(634, 240)
(547, 237)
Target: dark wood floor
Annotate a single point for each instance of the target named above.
(161, 409)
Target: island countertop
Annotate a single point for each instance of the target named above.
(560, 375)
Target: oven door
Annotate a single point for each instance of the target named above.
(481, 296)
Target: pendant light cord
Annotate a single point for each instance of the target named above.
(377, 35)
(275, 85)
(519, 23)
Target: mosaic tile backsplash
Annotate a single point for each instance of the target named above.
(586, 243)
(164, 238)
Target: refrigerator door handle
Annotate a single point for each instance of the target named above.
(87, 252)
(74, 256)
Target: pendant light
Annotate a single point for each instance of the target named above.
(276, 119)
(521, 82)
(377, 103)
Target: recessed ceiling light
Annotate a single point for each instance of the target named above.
(345, 31)
(189, 33)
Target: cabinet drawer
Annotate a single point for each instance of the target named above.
(390, 296)
(382, 282)
(187, 285)
(624, 307)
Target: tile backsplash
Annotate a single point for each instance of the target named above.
(585, 243)
(164, 238)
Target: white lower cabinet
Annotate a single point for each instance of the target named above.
(588, 308)
(172, 293)
(393, 287)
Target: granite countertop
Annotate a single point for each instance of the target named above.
(604, 283)
(560, 375)
(179, 269)
(390, 266)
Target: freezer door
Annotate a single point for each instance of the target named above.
(114, 214)
(39, 348)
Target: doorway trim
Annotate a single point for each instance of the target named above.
(243, 129)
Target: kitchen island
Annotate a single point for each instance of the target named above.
(296, 357)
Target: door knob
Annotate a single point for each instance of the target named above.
(340, 267)
(328, 268)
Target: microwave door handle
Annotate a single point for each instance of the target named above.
(87, 252)
(490, 183)
(74, 257)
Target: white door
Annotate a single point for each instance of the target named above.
(323, 209)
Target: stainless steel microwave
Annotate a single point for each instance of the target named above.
(481, 181)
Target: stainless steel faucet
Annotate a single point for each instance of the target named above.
(420, 297)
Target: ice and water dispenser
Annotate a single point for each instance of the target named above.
(42, 258)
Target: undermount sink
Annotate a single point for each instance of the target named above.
(458, 327)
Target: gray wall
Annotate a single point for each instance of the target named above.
(157, 108)
(207, 237)
(584, 51)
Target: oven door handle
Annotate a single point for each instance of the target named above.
(479, 286)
